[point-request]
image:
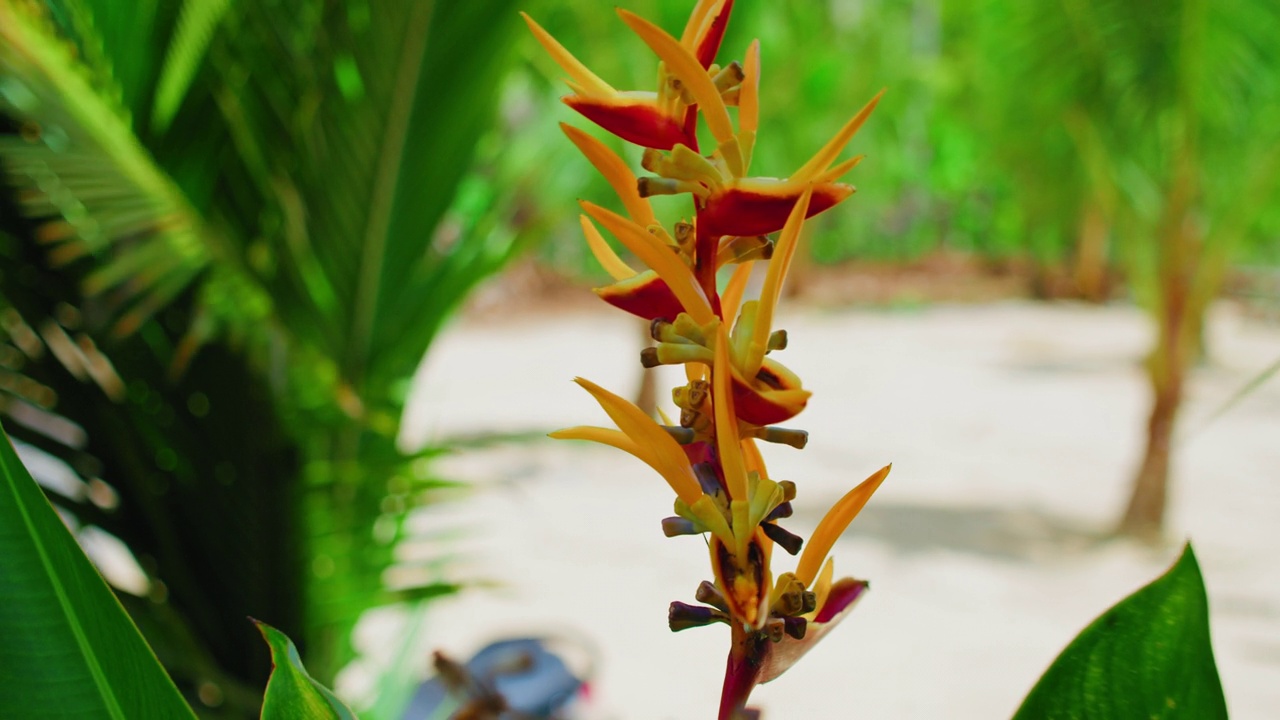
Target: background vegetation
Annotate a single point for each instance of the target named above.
(231, 229)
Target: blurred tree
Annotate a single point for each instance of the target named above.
(1162, 122)
(244, 224)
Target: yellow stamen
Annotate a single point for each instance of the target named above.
(604, 254)
(656, 446)
(615, 171)
(834, 523)
(829, 152)
(731, 298)
(778, 267)
(727, 441)
(653, 253)
(681, 63)
(588, 84)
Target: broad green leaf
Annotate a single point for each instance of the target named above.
(292, 694)
(1148, 657)
(68, 649)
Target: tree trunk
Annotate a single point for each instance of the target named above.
(1179, 317)
(1091, 256)
(1144, 517)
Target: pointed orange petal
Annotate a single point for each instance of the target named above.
(839, 170)
(656, 446)
(681, 63)
(604, 254)
(749, 96)
(731, 298)
(779, 265)
(585, 79)
(678, 277)
(834, 523)
(708, 40)
(829, 152)
(728, 442)
(697, 22)
(615, 171)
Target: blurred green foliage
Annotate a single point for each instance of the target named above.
(235, 227)
(977, 146)
(232, 230)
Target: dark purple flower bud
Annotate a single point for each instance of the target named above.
(673, 526)
(788, 541)
(782, 511)
(708, 593)
(682, 616)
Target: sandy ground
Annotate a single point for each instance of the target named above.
(1013, 429)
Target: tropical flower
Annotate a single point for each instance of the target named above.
(735, 392)
(658, 119)
(732, 202)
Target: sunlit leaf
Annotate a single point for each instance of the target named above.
(1150, 656)
(292, 694)
(69, 650)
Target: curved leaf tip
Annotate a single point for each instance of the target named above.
(1149, 656)
(292, 694)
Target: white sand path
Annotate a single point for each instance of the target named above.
(1013, 429)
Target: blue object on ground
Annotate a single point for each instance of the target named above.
(535, 682)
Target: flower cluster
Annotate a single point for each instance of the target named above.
(736, 393)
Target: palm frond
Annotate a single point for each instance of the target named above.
(79, 168)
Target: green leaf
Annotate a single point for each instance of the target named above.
(69, 649)
(1148, 657)
(292, 694)
(191, 38)
(83, 172)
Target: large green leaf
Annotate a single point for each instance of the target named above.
(292, 694)
(69, 649)
(1148, 657)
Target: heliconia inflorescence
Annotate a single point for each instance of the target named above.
(736, 392)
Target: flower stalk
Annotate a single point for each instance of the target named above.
(736, 394)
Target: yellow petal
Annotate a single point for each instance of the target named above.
(605, 255)
(829, 152)
(836, 172)
(823, 587)
(615, 171)
(834, 523)
(656, 447)
(779, 265)
(585, 82)
(754, 460)
(604, 436)
(749, 102)
(727, 441)
(698, 22)
(731, 298)
(678, 277)
(681, 63)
